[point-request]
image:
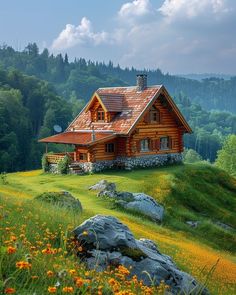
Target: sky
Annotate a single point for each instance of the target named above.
(177, 36)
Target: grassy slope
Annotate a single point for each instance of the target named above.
(192, 192)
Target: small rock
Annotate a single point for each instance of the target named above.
(224, 226)
(193, 224)
(103, 185)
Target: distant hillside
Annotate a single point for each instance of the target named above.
(200, 77)
(81, 78)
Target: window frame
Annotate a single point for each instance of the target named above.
(146, 145)
(108, 148)
(84, 157)
(151, 114)
(167, 147)
(100, 115)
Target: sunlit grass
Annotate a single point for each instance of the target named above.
(176, 188)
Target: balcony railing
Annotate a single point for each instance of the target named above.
(55, 158)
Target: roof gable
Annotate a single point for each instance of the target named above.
(163, 93)
(130, 105)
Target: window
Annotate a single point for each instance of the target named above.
(165, 143)
(101, 116)
(83, 156)
(110, 148)
(144, 145)
(154, 115)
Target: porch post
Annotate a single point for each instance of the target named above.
(46, 148)
(74, 153)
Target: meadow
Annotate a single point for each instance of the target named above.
(35, 242)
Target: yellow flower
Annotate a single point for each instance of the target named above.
(68, 290)
(85, 233)
(52, 289)
(72, 271)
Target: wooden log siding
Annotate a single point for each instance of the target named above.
(167, 126)
(100, 152)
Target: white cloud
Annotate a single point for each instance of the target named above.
(137, 8)
(81, 34)
(192, 8)
(180, 36)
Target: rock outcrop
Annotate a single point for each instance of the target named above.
(138, 202)
(108, 242)
(103, 185)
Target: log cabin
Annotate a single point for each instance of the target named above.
(124, 127)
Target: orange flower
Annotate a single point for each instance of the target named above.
(112, 282)
(50, 273)
(79, 282)
(34, 277)
(10, 291)
(80, 249)
(52, 289)
(123, 270)
(23, 265)
(68, 290)
(49, 251)
(11, 250)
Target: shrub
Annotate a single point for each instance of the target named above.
(4, 178)
(226, 157)
(45, 164)
(191, 156)
(63, 165)
(60, 199)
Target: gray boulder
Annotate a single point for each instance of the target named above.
(138, 202)
(103, 185)
(146, 205)
(108, 242)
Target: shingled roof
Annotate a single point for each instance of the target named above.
(130, 106)
(133, 105)
(79, 138)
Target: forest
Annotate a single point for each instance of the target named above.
(39, 90)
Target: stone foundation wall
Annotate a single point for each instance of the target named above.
(128, 163)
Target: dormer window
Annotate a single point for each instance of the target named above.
(100, 116)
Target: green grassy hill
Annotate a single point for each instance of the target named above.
(190, 192)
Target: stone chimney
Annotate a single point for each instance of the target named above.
(141, 82)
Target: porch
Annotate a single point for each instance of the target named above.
(56, 157)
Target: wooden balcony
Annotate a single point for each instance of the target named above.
(55, 158)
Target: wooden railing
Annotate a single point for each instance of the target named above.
(55, 158)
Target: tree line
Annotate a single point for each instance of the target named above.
(80, 78)
(54, 90)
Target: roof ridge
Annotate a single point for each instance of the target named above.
(111, 87)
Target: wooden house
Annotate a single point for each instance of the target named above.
(125, 127)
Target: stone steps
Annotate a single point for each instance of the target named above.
(75, 168)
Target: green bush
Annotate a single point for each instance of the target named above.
(45, 164)
(63, 165)
(60, 199)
